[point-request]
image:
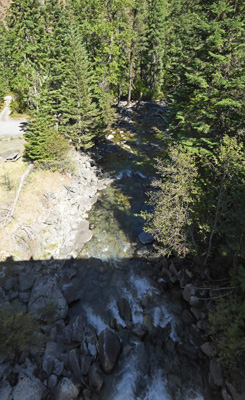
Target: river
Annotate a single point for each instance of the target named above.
(149, 369)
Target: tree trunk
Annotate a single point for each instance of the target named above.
(130, 78)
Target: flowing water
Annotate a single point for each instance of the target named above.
(150, 369)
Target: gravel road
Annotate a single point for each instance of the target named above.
(10, 127)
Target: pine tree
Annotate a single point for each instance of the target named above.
(207, 71)
(79, 109)
(156, 43)
(25, 50)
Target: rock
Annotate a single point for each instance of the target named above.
(148, 322)
(189, 291)
(195, 302)
(66, 390)
(198, 314)
(77, 329)
(9, 283)
(47, 301)
(86, 361)
(83, 225)
(139, 330)
(187, 349)
(74, 365)
(124, 309)
(84, 237)
(52, 353)
(216, 373)
(28, 388)
(87, 394)
(187, 317)
(146, 238)
(58, 367)
(95, 379)
(70, 293)
(208, 349)
(109, 349)
(52, 381)
(26, 281)
(226, 395)
(235, 395)
(5, 391)
(24, 297)
(94, 199)
(172, 269)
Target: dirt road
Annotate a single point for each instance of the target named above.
(10, 127)
(11, 131)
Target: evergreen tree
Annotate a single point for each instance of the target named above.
(207, 75)
(3, 70)
(79, 110)
(156, 43)
(25, 50)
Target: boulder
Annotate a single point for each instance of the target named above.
(146, 238)
(216, 373)
(188, 292)
(28, 388)
(139, 330)
(52, 381)
(235, 395)
(208, 349)
(84, 237)
(86, 361)
(109, 349)
(66, 390)
(83, 225)
(26, 281)
(124, 309)
(187, 349)
(47, 301)
(70, 293)
(52, 352)
(74, 365)
(187, 317)
(148, 322)
(5, 391)
(95, 379)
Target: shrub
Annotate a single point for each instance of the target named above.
(17, 329)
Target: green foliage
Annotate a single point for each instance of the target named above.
(46, 146)
(205, 65)
(17, 330)
(170, 222)
(199, 202)
(227, 325)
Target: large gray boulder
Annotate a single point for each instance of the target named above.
(66, 390)
(28, 388)
(146, 238)
(46, 300)
(109, 349)
(5, 391)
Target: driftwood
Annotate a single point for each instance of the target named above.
(22, 180)
(139, 100)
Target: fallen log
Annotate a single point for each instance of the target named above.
(22, 180)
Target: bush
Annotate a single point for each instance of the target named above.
(227, 326)
(17, 329)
